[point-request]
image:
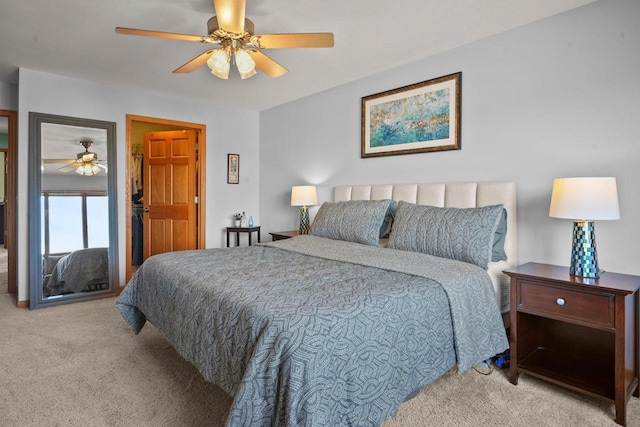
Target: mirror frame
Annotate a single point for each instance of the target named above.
(37, 299)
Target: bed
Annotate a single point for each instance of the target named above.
(341, 326)
(83, 270)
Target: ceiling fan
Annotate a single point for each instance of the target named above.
(234, 36)
(86, 162)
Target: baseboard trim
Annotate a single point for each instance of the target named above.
(22, 304)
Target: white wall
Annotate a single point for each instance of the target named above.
(8, 96)
(229, 130)
(555, 98)
(75, 182)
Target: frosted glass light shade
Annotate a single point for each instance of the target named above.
(304, 195)
(585, 199)
(246, 65)
(87, 169)
(219, 64)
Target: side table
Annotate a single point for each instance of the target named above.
(281, 235)
(238, 230)
(576, 332)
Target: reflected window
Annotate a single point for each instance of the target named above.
(74, 221)
(97, 217)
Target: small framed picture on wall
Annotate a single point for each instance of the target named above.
(233, 168)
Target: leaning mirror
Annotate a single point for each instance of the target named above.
(73, 243)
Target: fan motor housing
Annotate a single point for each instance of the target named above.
(212, 25)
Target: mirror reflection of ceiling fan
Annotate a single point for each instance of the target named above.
(234, 36)
(86, 163)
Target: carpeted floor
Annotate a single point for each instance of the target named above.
(81, 365)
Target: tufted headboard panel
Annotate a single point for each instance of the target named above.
(457, 195)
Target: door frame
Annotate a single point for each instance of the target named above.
(11, 209)
(201, 132)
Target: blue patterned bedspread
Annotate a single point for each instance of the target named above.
(317, 332)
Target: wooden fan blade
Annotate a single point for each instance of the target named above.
(161, 34)
(69, 167)
(267, 65)
(196, 62)
(275, 41)
(230, 15)
(49, 161)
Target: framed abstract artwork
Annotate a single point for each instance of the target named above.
(233, 168)
(418, 118)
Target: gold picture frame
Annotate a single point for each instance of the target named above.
(418, 118)
(233, 168)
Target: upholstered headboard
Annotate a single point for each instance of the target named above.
(457, 195)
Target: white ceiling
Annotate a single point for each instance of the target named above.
(76, 38)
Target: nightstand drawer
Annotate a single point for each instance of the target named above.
(591, 308)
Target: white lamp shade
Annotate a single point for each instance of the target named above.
(304, 195)
(585, 199)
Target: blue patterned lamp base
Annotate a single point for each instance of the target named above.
(304, 220)
(584, 257)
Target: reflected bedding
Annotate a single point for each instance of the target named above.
(80, 271)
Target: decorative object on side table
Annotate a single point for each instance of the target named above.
(584, 200)
(238, 218)
(304, 196)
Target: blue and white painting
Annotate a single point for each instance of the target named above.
(423, 117)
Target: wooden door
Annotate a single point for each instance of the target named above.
(170, 222)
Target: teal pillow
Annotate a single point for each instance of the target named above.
(358, 221)
(462, 234)
(497, 252)
(388, 219)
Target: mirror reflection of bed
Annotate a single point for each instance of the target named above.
(83, 270)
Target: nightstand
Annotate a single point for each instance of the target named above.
(281, 235)
(238, 230)
(576, 332)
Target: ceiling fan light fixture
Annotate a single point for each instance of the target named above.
(219, 64)
(235, 34)
(88, 156)
(88, 169)
(244, 62)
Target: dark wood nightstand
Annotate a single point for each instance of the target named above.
(281, 235)
(576, 332)
(238, 230)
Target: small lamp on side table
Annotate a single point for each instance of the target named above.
(304, 196)
(584, 200)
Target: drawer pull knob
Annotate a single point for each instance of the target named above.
(560, 301)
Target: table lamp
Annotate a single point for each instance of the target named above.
(304, 196)
(584, 200)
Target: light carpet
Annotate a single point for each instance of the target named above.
(81, 365)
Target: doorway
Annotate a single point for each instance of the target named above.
(8, 149)
(137, 128)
